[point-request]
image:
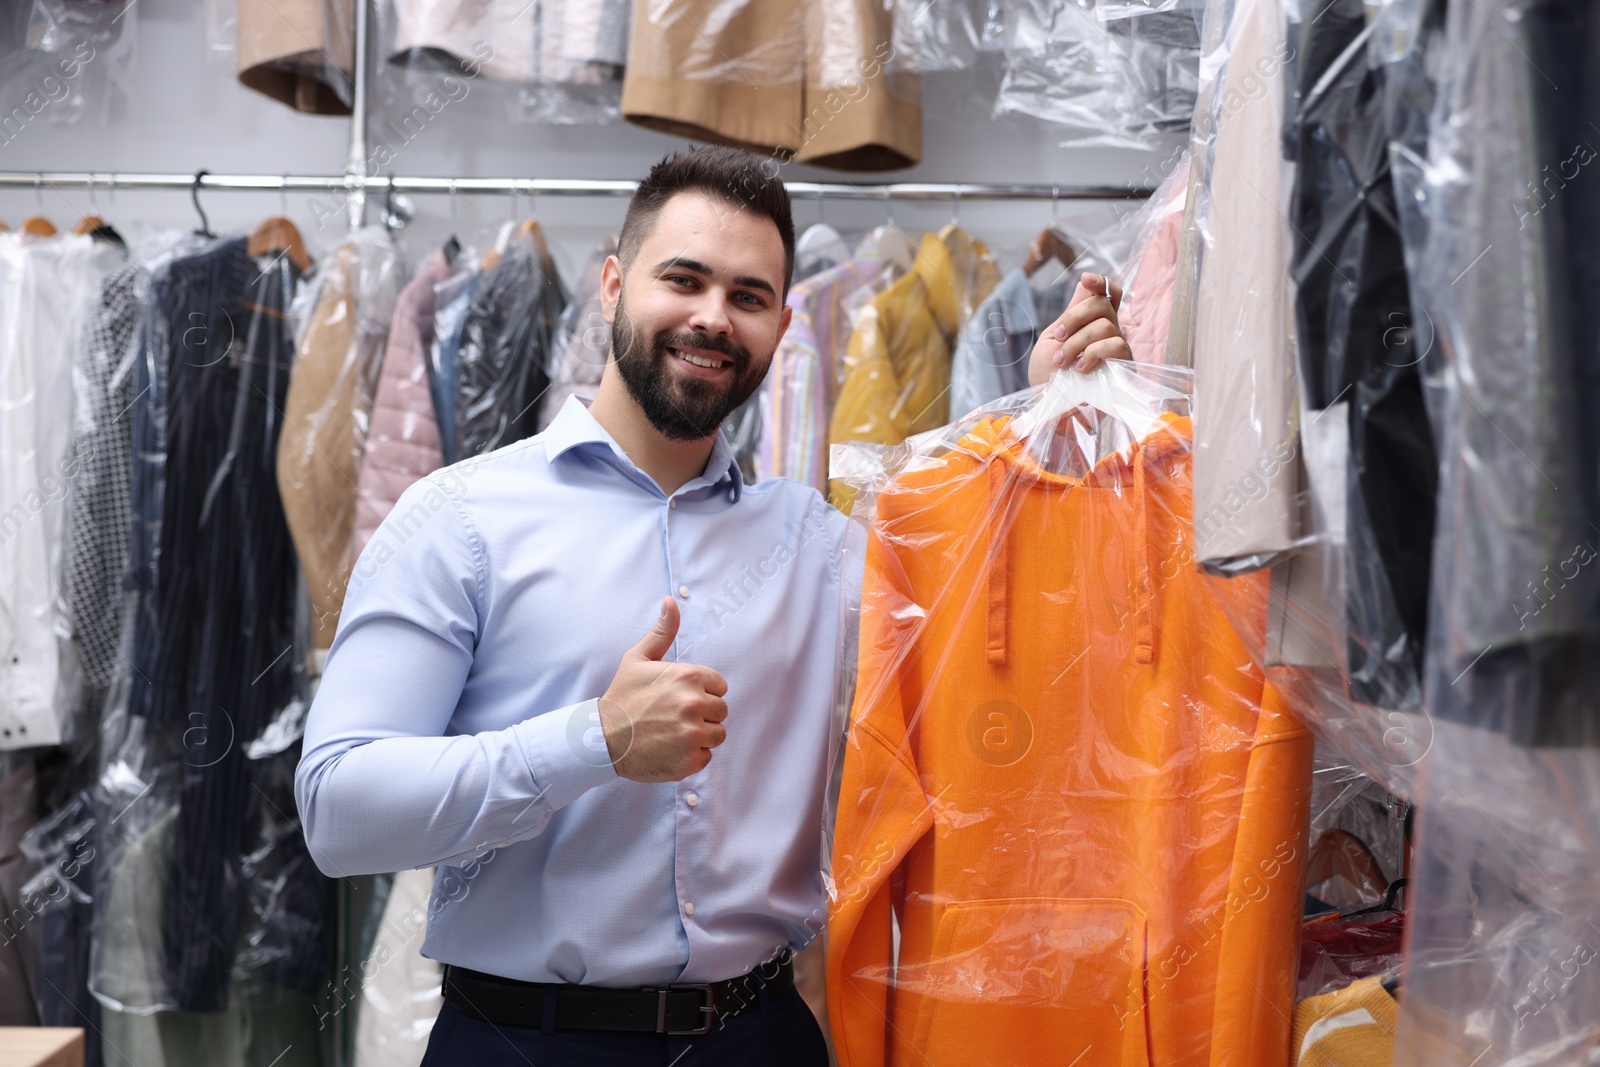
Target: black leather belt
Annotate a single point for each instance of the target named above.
(675, 1009)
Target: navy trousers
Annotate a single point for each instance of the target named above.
(779, 1033)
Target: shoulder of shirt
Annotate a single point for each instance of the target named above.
(503, 459)
(788, 489)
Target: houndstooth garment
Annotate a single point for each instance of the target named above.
(97, 523)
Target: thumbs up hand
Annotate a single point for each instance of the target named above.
(661, 719)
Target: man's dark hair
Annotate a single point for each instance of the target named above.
(728, 174)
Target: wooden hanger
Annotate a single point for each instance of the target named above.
(3, 227)
(529, 232)
(1050, 244)
(1343, 854)
(278, 234)
(39, 226)
(88, 224)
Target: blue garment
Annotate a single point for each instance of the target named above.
(450, 320)
(991, 358)
(457, 722)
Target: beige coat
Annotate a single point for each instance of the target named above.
(816, 81)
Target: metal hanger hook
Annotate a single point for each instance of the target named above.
(388, 207)
(1055, 194)
(194, 194)
(955, 208)
(455, 225)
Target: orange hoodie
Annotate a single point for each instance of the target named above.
(1065, 778)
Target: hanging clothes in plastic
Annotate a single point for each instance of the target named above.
(325, 420)
(1065, 783)
(798, 392)
(262, 1025)
(814, 81)
(60, 898)
(1121, 73)
(17, 798)
(403, 440)
(1515, 633)
(1503, 211)
(64, 61)
(818, 249)
(583, 339)
(47, 288)
(897, 366)
(98, 514)
(299, 52)
(1186, 273)
(215, 683)
(502, 355)
(1246, 473)
(453, 296)
(1353, 323)
(559, 61)
(991, 358)
(1150, 280)
(573, 41)
(402, 997)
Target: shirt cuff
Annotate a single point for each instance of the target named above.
(566, 753)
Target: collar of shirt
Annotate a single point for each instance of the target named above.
(575, 428)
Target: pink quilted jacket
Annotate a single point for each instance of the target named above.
(403, 441)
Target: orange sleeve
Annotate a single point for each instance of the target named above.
(1258, 960)
(882, 811)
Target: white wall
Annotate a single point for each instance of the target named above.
(183, 114)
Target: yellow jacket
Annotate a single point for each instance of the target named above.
(897, 365)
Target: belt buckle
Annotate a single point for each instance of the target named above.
(706, 1011)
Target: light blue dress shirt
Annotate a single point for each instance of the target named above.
(457, 724)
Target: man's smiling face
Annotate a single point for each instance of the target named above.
(699, 313)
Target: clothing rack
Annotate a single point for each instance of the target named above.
(360, 184)
(355, 183)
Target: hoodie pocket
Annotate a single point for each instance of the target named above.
(1035, 980)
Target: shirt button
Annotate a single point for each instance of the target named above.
(673, 503)
(692, 799)
(688, 909)
(683, 591)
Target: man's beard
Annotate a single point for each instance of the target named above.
(681, 407)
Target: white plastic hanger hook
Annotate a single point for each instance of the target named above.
(955, 208)
(1115, 387)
